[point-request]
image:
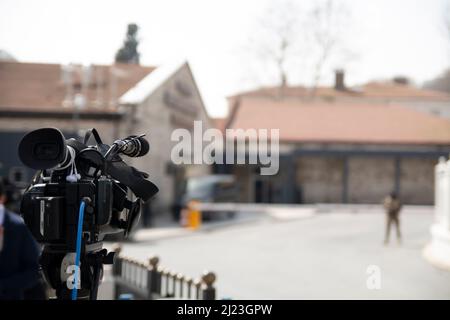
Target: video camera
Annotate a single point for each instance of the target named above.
(79, 195)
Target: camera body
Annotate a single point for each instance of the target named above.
(73, 175)
(50, 210)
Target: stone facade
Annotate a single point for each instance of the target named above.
(370, 179)
(319, 179)
(346, 175)
(175, 104)
(417, 180)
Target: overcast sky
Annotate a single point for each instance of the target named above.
(388, 37)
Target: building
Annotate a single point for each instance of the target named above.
(118, 100)
(344, 145)
(165, 100)
(397, 91)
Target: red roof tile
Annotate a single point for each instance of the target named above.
(372, 90)
(340, 122)
(38, 86)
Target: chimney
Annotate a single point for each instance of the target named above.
(402, 80)
(339, 81)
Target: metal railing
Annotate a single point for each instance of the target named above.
(149, 281)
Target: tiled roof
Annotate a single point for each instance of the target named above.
(323, 122)
(373, 90)
(40, 87)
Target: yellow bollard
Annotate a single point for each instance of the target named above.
(194, 215)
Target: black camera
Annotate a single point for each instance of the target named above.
(79, 194)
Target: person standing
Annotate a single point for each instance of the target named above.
(392, 206)
(19, 255)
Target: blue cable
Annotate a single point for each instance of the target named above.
(78, 249)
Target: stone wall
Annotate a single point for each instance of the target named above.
(417, 180)
(319, 179)
(155, 118)
(370, 179)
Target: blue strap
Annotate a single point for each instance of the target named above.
(78, 249)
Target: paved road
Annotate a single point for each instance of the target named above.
(324, 256)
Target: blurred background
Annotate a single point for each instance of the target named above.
(360, 92)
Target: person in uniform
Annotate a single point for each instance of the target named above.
(392, 206)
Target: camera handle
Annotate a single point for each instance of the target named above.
(93, 132)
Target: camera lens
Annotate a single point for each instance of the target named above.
(43, 148)
(46, 151)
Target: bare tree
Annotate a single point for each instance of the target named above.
(442, 81)
(326, 19)
(278, 37)
(289, 35)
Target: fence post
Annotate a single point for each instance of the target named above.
(130, 271)
(174, 277)
(134, 271)
(166, 274)
(117, 268)
(144, 275)
(117, 265)
(198, 287)
(189, 282)
(153, 277)
(208, 290)
(181, 281)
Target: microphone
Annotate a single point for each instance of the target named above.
(133, 146)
